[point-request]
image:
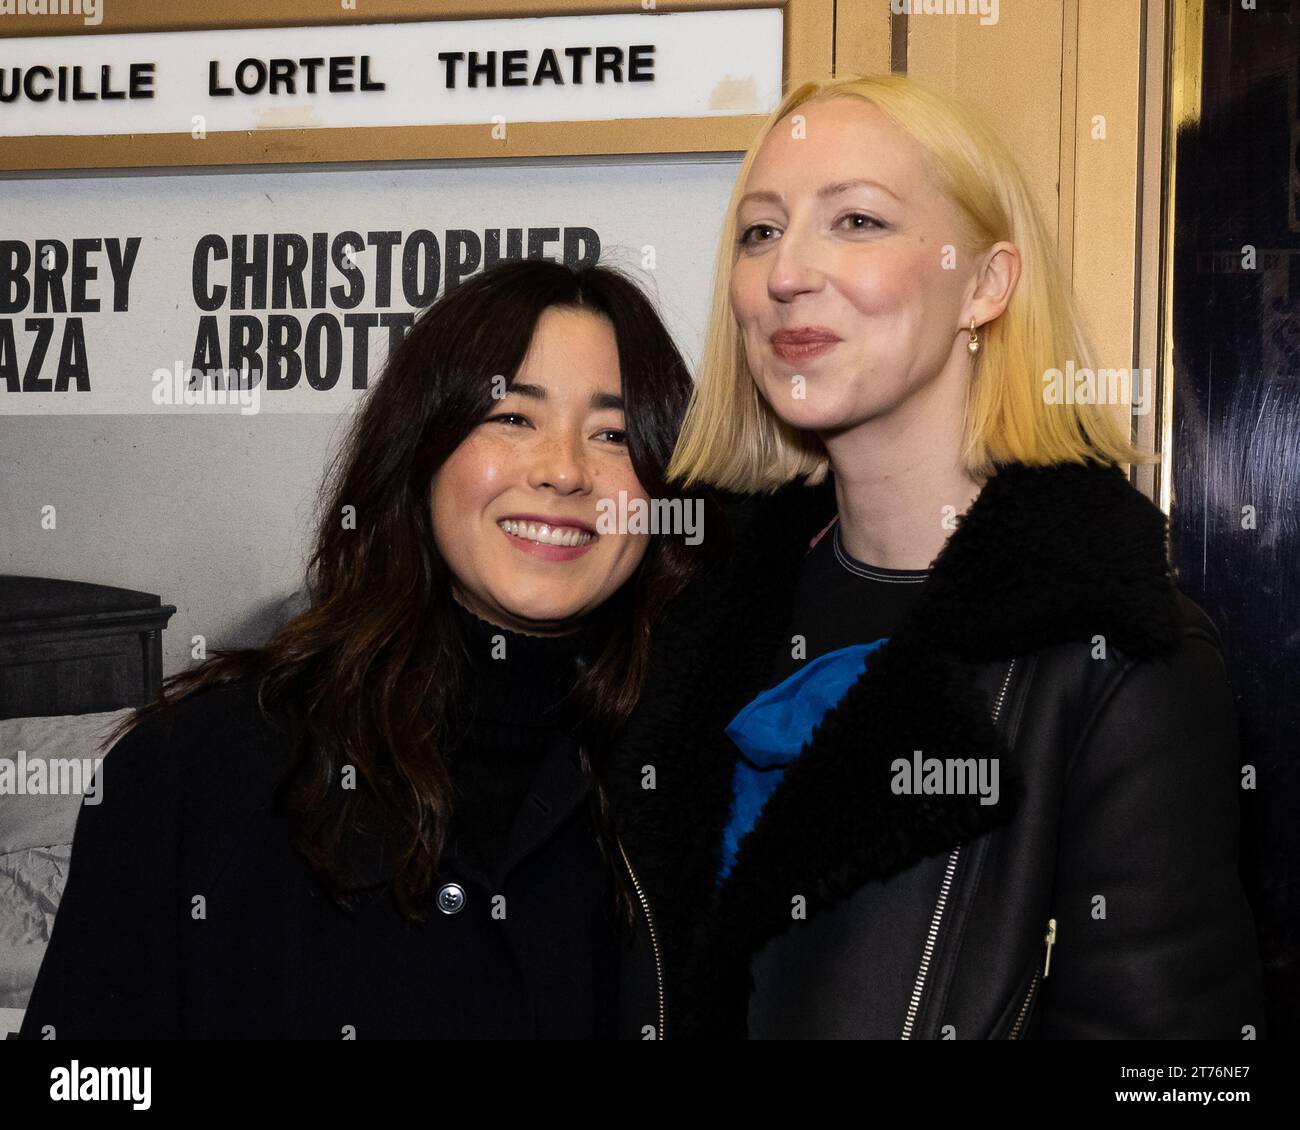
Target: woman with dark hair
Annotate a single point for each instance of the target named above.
(385, 822)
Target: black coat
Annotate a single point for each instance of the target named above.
(928, 916)
(189, 809)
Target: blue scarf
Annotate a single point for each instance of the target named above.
(772, 730)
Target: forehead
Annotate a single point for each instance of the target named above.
(571, 346)
(838, 139)
(563, 330)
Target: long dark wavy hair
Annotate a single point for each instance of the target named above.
(371, 669)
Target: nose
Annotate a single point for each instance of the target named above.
(560, 464)
(792, 265)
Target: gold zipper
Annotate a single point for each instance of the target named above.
(932, 935)
(1024, 1008)
(1050, 940)
(654, 937)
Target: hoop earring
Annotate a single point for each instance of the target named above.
(974, 343)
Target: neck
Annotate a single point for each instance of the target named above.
(896, 475)
(476, 608)
(516, 679)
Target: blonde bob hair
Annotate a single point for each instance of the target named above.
(732, 439)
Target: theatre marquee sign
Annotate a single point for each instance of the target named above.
(632, 81)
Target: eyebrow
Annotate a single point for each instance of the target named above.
(599, 400)
(826, 190)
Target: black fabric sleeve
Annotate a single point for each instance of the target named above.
(112, 966)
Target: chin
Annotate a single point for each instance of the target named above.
(816, 412)
(811, 418)
(543, 613)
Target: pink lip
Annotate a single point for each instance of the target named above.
(803, 335)
(547, 552)
(803, 342)
(553, 522)
(793, 351)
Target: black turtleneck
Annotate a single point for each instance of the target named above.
(506, 717)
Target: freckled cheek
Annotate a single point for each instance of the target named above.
(623, 477)
(609, 481)
(476, 473)
(624, 551)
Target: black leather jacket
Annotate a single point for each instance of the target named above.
(1098, 898)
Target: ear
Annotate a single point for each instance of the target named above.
(995, 283)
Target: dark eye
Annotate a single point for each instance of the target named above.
(871, 221)
(506, 416)
(744, 239)
(622, 435)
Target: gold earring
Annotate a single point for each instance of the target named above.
(974, 344)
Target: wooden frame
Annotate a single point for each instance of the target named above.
(807, 51)
(1184, 32)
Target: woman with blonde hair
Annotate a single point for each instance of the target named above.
(938, 750)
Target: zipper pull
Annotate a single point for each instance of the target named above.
(1051, 941)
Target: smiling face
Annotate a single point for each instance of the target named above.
(515, 506)
(841, 258)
